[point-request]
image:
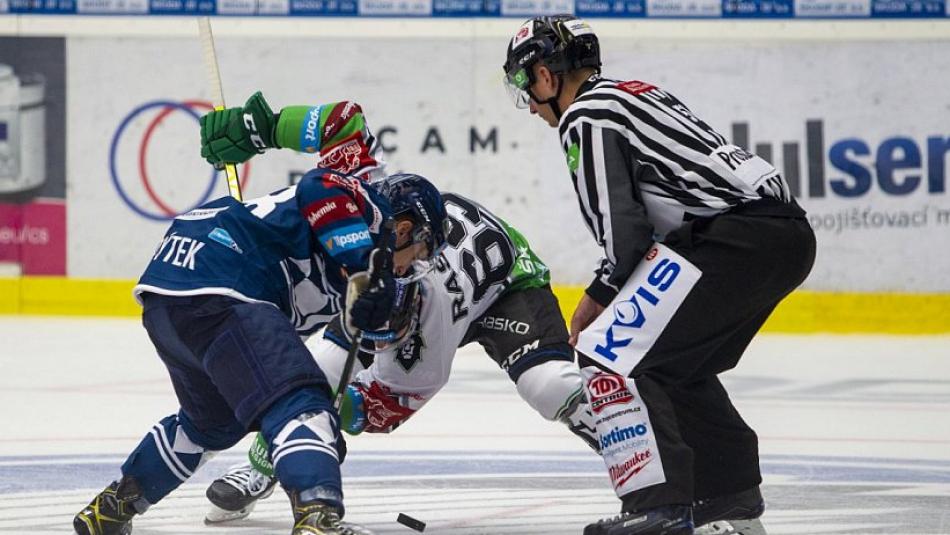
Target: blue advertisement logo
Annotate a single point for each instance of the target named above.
(629, 314)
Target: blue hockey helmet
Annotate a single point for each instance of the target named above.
(413, 197)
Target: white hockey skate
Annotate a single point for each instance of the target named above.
(234, 495)
(732, 527)
(734, 514)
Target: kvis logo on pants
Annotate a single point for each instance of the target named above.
(629, 327)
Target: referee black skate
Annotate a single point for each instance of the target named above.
(701, 240)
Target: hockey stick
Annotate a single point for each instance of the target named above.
(214, 82)
(357, 283)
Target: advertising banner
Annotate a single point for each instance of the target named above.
(857, 130)
(32, 144)
(654, 9)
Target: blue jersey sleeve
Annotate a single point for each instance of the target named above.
(343, 216)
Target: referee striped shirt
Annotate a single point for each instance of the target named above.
(642, 164)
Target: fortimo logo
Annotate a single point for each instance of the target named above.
(630, 314)
(898, 165)
(622, 434)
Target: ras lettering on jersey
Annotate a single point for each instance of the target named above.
(459, 310)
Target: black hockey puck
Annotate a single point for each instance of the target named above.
(410, 522)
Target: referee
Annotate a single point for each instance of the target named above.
(701, 240)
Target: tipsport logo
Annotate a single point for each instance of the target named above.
(346, 238)
(132, 150)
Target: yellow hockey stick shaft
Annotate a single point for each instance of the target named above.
(217, 94)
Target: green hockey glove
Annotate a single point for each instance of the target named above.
(234, 135)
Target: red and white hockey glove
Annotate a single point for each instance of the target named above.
(372, 409)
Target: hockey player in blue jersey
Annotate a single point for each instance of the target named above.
(227, 297)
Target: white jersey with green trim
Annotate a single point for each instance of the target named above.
(483, 259)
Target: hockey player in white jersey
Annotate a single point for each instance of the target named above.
(487, 287)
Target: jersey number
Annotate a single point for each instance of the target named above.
(491, 257)
(262, 206)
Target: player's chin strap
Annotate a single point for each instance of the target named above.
(553, 101)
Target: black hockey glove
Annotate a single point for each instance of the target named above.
(373, 306)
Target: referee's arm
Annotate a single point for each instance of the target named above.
(611, 206)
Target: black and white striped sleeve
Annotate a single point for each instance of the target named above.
(604, 178)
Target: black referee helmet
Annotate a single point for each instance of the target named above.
(563, 42)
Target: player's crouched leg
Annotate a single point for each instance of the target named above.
(524, 333)
(303, 432)
(555, 389)
(111, 511)
(162, 461)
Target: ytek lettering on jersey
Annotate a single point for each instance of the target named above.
(630, 314)
(179, 251)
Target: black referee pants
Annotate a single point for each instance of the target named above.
(750, 260)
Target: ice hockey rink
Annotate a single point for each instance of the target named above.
(854, 430)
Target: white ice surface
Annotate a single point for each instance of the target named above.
(854, 437)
